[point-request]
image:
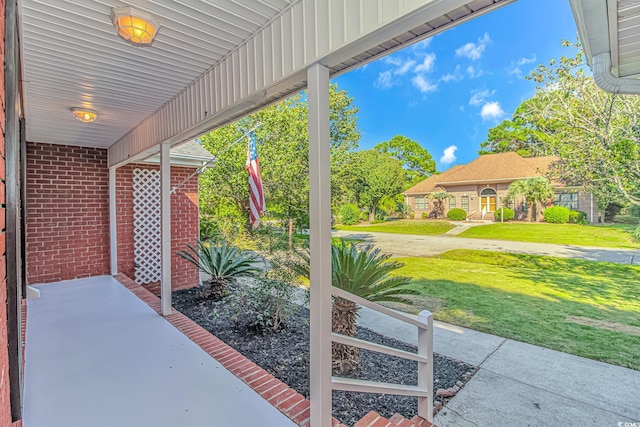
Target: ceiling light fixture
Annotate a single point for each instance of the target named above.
(135, 27)
(84, 114)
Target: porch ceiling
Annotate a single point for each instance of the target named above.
(212, 61)
(73, 58)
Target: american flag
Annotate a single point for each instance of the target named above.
(256, 196)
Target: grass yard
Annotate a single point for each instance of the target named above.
(403, 226)
(612, 236)
(590, 309)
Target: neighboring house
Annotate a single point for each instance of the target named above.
(481, 187)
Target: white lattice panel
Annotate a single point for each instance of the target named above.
(146, 225)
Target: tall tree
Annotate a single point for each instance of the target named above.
(416, 160)
(283, 154)
(378, 175)
(535, 191)
(595, 134)
(520, 134)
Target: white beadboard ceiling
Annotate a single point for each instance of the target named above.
(72, 57)
(212, 60)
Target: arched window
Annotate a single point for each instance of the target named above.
(488, 192)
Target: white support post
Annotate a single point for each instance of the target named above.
(320, 244)
(113, 221)
(425, 370)
(165, 229)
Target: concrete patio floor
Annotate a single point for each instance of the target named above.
(520, 384)
(96, 355)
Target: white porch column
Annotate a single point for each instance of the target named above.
(113, 223)
(165, 228)
(320, 244)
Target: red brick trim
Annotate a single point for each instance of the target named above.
(284, 398)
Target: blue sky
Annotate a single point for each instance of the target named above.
(448, 91)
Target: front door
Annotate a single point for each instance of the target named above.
(488, 203)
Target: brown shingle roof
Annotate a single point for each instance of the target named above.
(430, 184)
(488, 167)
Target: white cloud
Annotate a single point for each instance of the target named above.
(423, 84)
(404, 67)
(491, 111)
(515, 72)
(479, 96)
(523, 61)
(400, 66)
(393, 60)
(427, 64)
(448, 155)
(474, 72)
(385, 80)
(456, 76)
(423, 44)
(473, 51)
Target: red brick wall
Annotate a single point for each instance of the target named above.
(184, 222)
(67, 212)
(5, 404)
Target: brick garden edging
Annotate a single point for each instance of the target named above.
(284, 398)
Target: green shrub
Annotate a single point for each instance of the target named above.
(577, 217)
(266, 304)
(509, 214)
(412, 215)
(209, 229)
(425, 215)
(350, 214)
(223, 263)
(364, 216)
(457, 214)
(556, 215)
(380, 215)
(636, 234)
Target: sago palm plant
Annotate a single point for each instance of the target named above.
(223, 263)
(365, 272)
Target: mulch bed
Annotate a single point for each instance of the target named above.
(285, 355)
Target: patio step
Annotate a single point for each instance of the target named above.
(373, 419)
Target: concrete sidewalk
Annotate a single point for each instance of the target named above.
(520, 384)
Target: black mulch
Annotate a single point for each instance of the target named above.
(285, 354)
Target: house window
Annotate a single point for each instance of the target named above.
(488, 200)
(421, 203)
(452, 202)
(465, 203)
(569, 200)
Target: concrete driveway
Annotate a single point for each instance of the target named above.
(415, 245)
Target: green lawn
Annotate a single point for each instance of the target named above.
(406, 226)
(613, 236)
(540, 300)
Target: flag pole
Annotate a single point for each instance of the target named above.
(214, 159)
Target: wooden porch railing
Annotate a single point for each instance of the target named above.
(424, 357)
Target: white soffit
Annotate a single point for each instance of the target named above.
(271, 64)
(72, 57)
(610, 34)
